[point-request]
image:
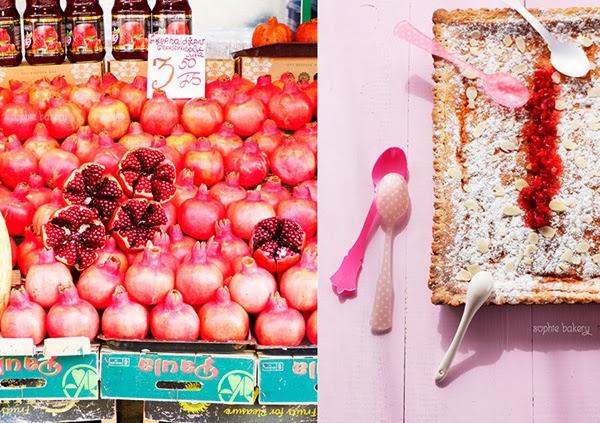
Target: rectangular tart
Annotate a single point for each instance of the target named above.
(481, 164)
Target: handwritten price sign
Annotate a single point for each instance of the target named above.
(177, 65)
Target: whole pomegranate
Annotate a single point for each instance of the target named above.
(110, 115)
(206, 162)
(264, 89)
(16, 163)
(111, 85)
(279, 325)
(246, 114)
(291, 109)
(124, 318)
(181, 140)
(312, 186)
(184, 187)
(181, 245)
(28, 251)
(173, 320)
(40, 142)
(109, 153)
(41, 94)
(197, 216)
(273, 192)
(268, 138)
(98, 282)
(44, 212)
(86, 95)
(249, 162)
(44, 277)
(136, 137)
(84, 144)
(18, 210)
(311, 90)
(225, 139)
(134, 96)
(63, 118)
(213, 251)
(197, 278)
(245, 214)
(222, 319)
(311, 328)
(56, 165)
(298, 285)
(159, 114)
(19, 117)
(72, 316)
(293, 162)
(221, 90)
(23, 318)
(233, 248)
(111, 251)
(201, 116)
(252, 286)
(308, 135)
(229, 190)
(300, 208)
(149, 281)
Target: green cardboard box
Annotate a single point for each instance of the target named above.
(37, 377)
(211, 378)
(42, 411)
(287, 379)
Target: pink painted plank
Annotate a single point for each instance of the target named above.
(362, 111)
(491, 378)
(565, 342)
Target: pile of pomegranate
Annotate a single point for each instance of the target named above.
(177, 220)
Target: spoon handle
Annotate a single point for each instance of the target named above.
(468, 313)
(533, 21)
(383, 307)
(406, 31)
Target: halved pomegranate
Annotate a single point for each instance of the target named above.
(76, 234)
(277, 243)
(136, 222)
(90, 186)
(146, 173)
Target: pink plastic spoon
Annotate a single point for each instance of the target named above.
(501, 87)
(344, 280)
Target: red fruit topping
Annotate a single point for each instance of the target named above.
(145, 173)
(76, 234)
(136, 222)
(89, 186)
(277, 243)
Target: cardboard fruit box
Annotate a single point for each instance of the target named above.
(57, 411)
(127, 70)
(74, 73)
(275, 59)
(287, 379)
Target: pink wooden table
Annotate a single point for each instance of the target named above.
(375, 92)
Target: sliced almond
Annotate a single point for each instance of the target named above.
(463, 275)
(455, 173)
(498, 50)
(547, 232)
(511, 210)
(557, 205)
(596, 259)
(509, 267)
(471, 93)
(594, 92)
(567, 255)
(469, 73)
(533, 238)
(556, 78)
(475, 34)
(479, 129)
(483, 245)
(594, 125)
(569, 144)
(473, 269)
(576, 259)
(499, 191)
(527, 261)
(508, 145)
(584, 41)
(520, 68)
(563, 266)
(582, 247)
(586, 218)
(507, 40)
(520, 184)
(474, 51)
(530, 249)
(472, 204)
(580, 162)
(560, 104)
(520, 43)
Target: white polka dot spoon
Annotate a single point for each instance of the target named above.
(392, 201)
(478, 292)
(567, 57)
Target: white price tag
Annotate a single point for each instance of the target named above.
(177, 65)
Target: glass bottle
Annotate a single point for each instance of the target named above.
(10, 34)
(172, 17)
(85, 31)
(130, 29)
(43, 23)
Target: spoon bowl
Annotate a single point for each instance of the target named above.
(569, 59)
(505, 89)
(392, 160)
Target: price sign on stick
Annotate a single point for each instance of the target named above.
(177, 65)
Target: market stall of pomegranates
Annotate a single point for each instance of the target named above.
(136, 218)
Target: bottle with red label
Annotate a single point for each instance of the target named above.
(130, 29)
(10, 34)
(85, 31)
(43, 24)
(172, 17)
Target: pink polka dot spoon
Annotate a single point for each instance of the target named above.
(392, 202)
